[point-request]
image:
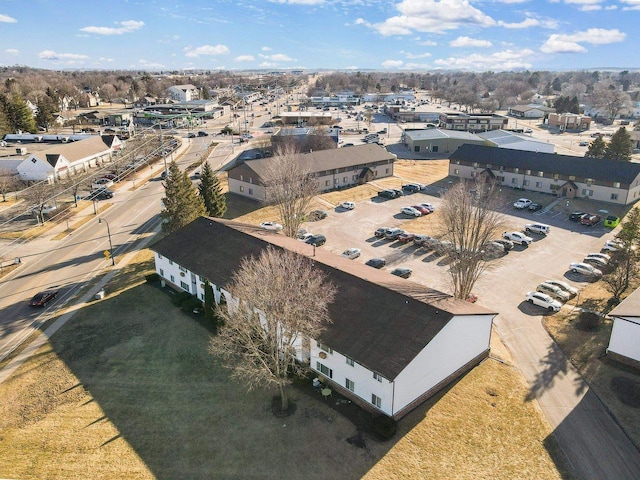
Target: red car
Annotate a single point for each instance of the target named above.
(41, 299)
(406, 237)
(421, 209)
(590, 220)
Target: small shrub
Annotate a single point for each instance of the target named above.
(180, 297)
(188, 305)
(152, 278)
(384, 427)
(589, 321)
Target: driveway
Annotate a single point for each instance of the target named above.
(591, 439)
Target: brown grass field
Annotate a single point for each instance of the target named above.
(127, 389)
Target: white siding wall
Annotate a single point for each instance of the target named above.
(625, 339)
(462, 339)
(244, 189)
(365, 384)
(36, 171)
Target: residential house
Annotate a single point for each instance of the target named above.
(391, 343)
(532, 110)
(566, 176)
(334, 168)
(184, 93)
(624, 342)
(569, 122)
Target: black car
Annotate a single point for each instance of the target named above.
(534, 207)
(41, 299)
(192, 135)
(100, 194)
(203, 134)
(316, 215)
(411, 188)
(577, 216)
(402, 272)
(388, 194)
(317, 240)
(376, 262)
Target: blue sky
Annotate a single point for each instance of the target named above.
(475, 35)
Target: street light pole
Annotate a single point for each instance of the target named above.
(113, 260)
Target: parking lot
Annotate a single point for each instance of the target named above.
(508, 278)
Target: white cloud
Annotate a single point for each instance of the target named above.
(632, 4)
(125, 27)
(416, 55)
(431, 16)
(104, 59)
(206, 50)
(266, 49)
(469, 42)
(526, 23)
(267, 64)
(299, 2)
(428, 43)
(7, 19)
(498, 61)
(278, 57)
(244, 58)
(51, 55)
(150, 65)
(571, 43)
(392, 63)
(12, 51)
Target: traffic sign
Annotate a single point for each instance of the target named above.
(107, 254)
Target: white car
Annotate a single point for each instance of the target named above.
(101, 183)
(412, 212)
(573, 291)
(612, 245)
(305, 236)
(543, 300)
(347, 205)
(271, 226)
(596, 261)
(553, 291)
(517, 237)
(522, 203)
(46, 210)
(602, 256)
(351, 253)
(585, 269)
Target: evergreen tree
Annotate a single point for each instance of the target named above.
(629, 233)
(20, 116)
(210, 190)
(620, 146)
(5, 125)
(182, 204)
(46, 107)
(596, 148)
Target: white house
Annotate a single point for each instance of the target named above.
(184, 93)
(532, 110)
(391, 343)
(624, 343)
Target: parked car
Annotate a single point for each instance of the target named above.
(590, 220)
(553, 291)
(539, 228)
(191, 135)
(402, 272)
(507, 244)
(317, 240)
(203, 134)
(603, 256)
(612, 246)
(585, 269)
(271, 226)
(305, 236)
(596, 261)
(522, 203)
(421, 209)
(393, 233)
(412, 212)
(100, 194)
(406, 237)
(543, 300)
(380, 232)
(410, 188)
(572, 291)
(41, 299)
(347, 205)
(351, 253)
(421, 239)
(163, 175)
(494, 248)
(45, 210)
(534, 207)
(388, 194)
(315, 215)
(517, 237)
(611, 221)
(577, 216)
(429, 206)
(101, 183)
(376, 262)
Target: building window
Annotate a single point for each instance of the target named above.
(350, 385)
(377, 401)
(354, 178)
(587, 193)
(514, 181)
(457, 162)
(182, 269)
(324, 347)
(326, 183)
(416, 148)
(377, 376)
(160, 256)
(541, 174)
(323, 369)
(170, 262)
(184, 286)
(589, 181)
(173, 280)
(488, 165)
(344, 179)
(538, 184)
(386, 171)
(525, 183)
(476, 164)
(554, 187)
(241, 178)
(616, 184)
(556, 176)
(349, 361)
(335, 181)
(202, 297)
(516, 170)
(241, 188)
(201, 278)
(251, 191)
(161, 273)
(572, 177)
(614, 196)
(527, 172)
(456, 171)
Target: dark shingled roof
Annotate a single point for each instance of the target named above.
(379, 320)
(597, 169)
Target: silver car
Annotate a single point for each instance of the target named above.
(553, 291)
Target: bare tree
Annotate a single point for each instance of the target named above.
(608, 98)
(8, 182)
(72, 184)
(40, 195)
(290, 187)
(469, 219)
(625, 270)
(283, 302)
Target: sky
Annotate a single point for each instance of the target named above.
(406, 35)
